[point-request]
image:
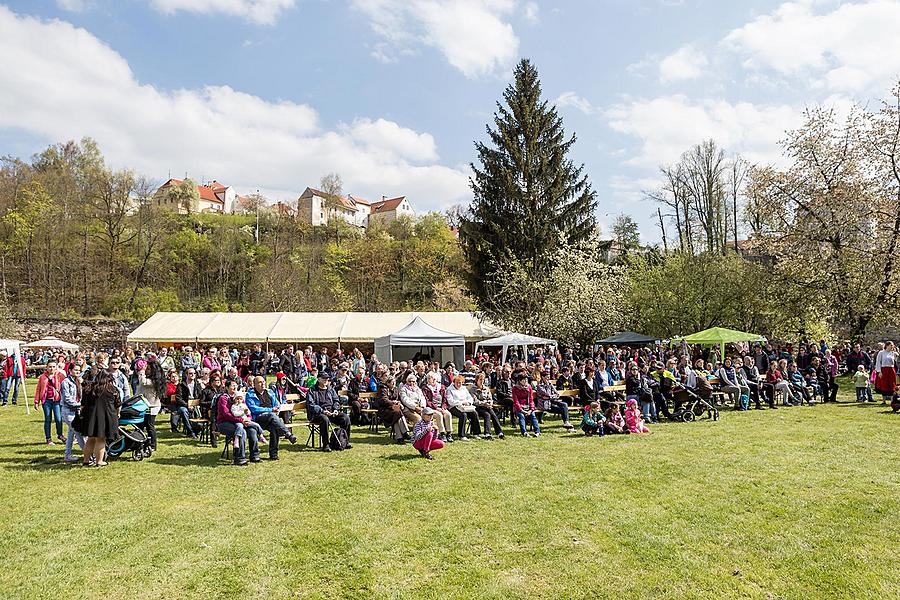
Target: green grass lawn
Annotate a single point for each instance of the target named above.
(790, 503)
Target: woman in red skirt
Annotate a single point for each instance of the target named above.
(886, 372)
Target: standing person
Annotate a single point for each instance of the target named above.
(46, 395)
(99, 418)
(323, 407)
(70, 399)
(152, 386)
(827, 384)
(886, 372)
(12, 378)
(263, 407)
(424, 435)
(119, 379)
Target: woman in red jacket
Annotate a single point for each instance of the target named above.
(47, 395)
(523, 405)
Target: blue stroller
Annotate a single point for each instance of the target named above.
(129, 436)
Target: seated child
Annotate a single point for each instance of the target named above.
(592, 421)
(633, 418)
(240, 409)
(615, 423)
(861, 383)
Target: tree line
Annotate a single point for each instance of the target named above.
(78, 238)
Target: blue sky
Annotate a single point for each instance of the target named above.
(272, 94)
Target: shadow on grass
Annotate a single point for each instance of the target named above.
(204, 459)
(38, 464)
(402, 457)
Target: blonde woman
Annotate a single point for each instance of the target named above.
(484, 406)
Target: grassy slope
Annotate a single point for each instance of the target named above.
(767, 504)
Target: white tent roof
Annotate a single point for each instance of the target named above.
(515, 339)
(51, 342)
(10, 345)
(348, 327)
(420, 333)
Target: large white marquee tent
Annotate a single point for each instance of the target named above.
(315, 327)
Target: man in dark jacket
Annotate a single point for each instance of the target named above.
(263, 407)
(858, 357)
(761, 360)
(827, 384)
(504, 389)
(323, 407)
(258, 360)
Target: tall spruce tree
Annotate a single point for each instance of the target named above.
(529, 198)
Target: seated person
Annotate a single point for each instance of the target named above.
(547, 399)
(615, 422)
(323, 407)
(263, 407)
(592, 422)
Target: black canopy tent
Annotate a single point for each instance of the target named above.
(628, 338)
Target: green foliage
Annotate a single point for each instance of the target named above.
(529, 197)
(146, 302)
(578, 299)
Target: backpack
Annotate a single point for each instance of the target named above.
(745, 402)
(338, 439)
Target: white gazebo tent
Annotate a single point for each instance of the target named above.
(13, 349)
(53, 343)
(513, 340)
(419, 339)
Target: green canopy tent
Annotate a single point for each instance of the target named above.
(721, 336)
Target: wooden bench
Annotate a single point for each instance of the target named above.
(201, 421)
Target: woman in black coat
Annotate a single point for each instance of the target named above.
(99, 418)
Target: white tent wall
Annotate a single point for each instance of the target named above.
(14, 348)
(283, 327)
(513, 340)
(418, 337)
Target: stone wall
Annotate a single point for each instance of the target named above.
(87, 333)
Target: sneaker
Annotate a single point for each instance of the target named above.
(292, 439)
(241, 462)
(326, 449)
(348, 447)
(501, 436)
(61, 439)
(255, 459)
(50, 443)
(537, 434)
(464, 439)
(487, 436)
(450, 439)
(428, 456)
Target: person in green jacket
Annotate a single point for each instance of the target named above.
(592, 421)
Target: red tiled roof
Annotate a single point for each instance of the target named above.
(387, 205)
(217, 187)
(359, 200)
(205, 192)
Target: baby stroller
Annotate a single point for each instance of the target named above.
(691, 406)
(129, 437)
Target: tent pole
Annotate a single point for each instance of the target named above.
(18, 358)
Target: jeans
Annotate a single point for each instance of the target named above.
(521, 417)
(277, 429)
(558, 407)
(648, 410)
(243, 437)
(149, 426)
(10, 382)
(185, 416)
(52, 410)
(68, 416)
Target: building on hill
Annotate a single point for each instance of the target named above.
(212, 198)
(318, 208)
(751, 250)
(389, 209)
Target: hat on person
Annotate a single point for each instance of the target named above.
(659, 365)
(279, 375)
(324, 375)
(427, 411)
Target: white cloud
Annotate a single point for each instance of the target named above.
(531, 11)
(72, 5)
(853, 47)
(688, 62)
(60, 82)
(263, 12)
(473, 35)
(666, 126)
(572, 99)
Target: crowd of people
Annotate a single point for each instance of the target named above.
(243, 394)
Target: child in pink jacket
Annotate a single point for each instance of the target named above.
(633, 418)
